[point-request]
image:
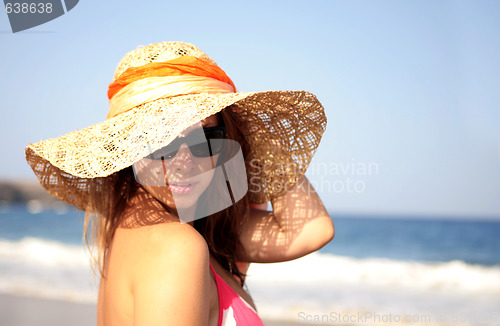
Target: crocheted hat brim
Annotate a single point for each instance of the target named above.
(283, 129)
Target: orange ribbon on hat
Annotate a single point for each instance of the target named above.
(184, 65)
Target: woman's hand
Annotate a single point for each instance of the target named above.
(298, 225)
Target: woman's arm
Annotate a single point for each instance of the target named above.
(298, 225)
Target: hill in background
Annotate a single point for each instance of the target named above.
(25, 192)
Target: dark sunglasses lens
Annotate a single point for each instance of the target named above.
(217, 145)
(213, 145)
(215, 134)
(166, 152)
(200, 150)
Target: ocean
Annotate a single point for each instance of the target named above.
(377, 270)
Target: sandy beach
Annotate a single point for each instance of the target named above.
(28, 311)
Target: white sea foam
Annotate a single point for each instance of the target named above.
(325, 269)
(324, 284)
(43, 268)
(317, 284)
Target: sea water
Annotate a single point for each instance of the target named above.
(377, 269)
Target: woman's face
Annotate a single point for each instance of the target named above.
(178, 181)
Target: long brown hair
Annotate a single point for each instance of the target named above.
(108, 198)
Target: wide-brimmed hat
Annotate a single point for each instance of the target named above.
(158, 91)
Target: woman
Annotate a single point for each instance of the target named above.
(173, 184)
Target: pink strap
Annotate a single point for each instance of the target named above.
(232, 308)
(217, 281)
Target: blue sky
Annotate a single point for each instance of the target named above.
(410, 88)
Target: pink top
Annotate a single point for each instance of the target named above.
(233, 310)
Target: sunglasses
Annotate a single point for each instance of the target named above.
(206, 143)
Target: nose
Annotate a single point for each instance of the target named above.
(183, 160)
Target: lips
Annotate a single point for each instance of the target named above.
(181, 187)
(181, 182)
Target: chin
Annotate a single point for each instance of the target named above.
(177, 203)
(182, 204)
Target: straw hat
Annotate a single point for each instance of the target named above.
(283, 128)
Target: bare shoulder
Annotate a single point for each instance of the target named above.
(149, 232)
(161, 246)
(168, 271)
(168, 242)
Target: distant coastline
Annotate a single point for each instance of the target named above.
(28, 193)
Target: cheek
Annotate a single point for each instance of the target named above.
(149, 173)
(205, 165)
(207, 174)
(162, 194)
(213, 160)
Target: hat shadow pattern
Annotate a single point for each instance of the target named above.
(273, 237)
